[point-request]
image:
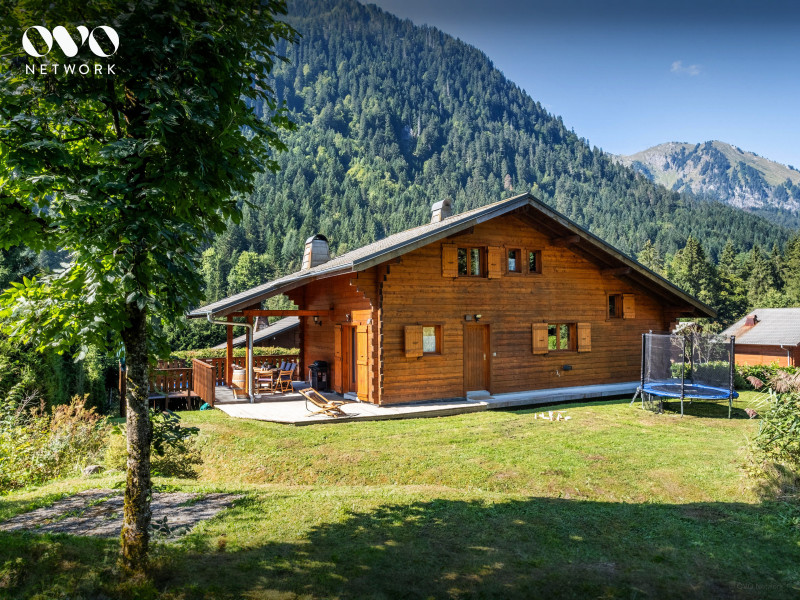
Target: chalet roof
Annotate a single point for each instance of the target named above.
(774, 327)
(278, 327)
(400, 243)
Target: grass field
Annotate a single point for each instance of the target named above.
(615, 503)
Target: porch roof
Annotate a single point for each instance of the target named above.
(278, 327)
(401, 243)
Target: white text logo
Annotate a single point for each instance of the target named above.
(66, 43)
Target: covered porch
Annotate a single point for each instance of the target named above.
(229, 389)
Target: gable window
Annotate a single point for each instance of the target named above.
(621, 306)
(470, 262)
(515, 261)
(561, 336)
(615, 306)
(534, 261)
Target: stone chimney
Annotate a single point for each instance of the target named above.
(316, 252)
(441, 210)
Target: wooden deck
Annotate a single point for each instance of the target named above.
(291, 409)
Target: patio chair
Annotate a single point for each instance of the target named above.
(285, 377)
(332, 408)
(265, 382)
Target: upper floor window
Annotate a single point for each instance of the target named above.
(621, 306)
(515, 260)
(470, 262)
(614, 306)
(534, 261)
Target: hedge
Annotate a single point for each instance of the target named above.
(222, 352)
(763, 372)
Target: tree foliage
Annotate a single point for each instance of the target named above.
(128, 173)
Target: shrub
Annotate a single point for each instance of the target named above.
(762, 372)
(37, 445)
(776, 447)
(778, 437)
(174, 451)
(53, 377)
(222, 352)
(714, 370)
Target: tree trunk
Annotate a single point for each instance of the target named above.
(136, 517)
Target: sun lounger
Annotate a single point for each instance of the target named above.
(325, 406)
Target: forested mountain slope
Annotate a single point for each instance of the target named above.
(392, 117)
(726, 173)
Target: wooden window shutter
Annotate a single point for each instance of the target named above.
(449, 261)
(540, 338)
(413, 341)
(495, 262)
(628, 306)
(584, 337)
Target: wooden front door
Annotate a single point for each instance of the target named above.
(338, 365)
(476, 357)
(362, 364)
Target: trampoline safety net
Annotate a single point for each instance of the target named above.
(687, 365)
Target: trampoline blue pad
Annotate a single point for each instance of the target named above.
(671, 389)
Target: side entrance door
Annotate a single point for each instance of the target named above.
(476, 357)
(362, 364)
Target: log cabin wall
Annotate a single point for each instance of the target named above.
(750, 354)
(569, 289)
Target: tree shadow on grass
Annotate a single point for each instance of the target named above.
(706, 409)
(529, 548)
(533, 548)
(565, 405)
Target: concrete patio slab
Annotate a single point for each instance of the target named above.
(290, 408)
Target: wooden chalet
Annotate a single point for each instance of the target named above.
(508, 297)
(766, 336)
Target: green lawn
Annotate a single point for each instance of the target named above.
(615, 503)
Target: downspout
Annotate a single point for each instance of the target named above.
(788, 355)
(249, 351)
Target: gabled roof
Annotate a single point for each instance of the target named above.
(278, 327)
(774, 327)
(411, 239)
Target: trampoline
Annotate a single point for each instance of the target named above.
(687, 366)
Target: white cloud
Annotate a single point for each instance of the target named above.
(679, 69)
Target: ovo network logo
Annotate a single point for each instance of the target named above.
(67, 44)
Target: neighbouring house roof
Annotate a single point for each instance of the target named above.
(278, 327)
(774, 327)
(401, 243)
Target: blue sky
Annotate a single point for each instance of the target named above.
(627, 75)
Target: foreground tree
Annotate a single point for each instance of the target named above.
(128, 170)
